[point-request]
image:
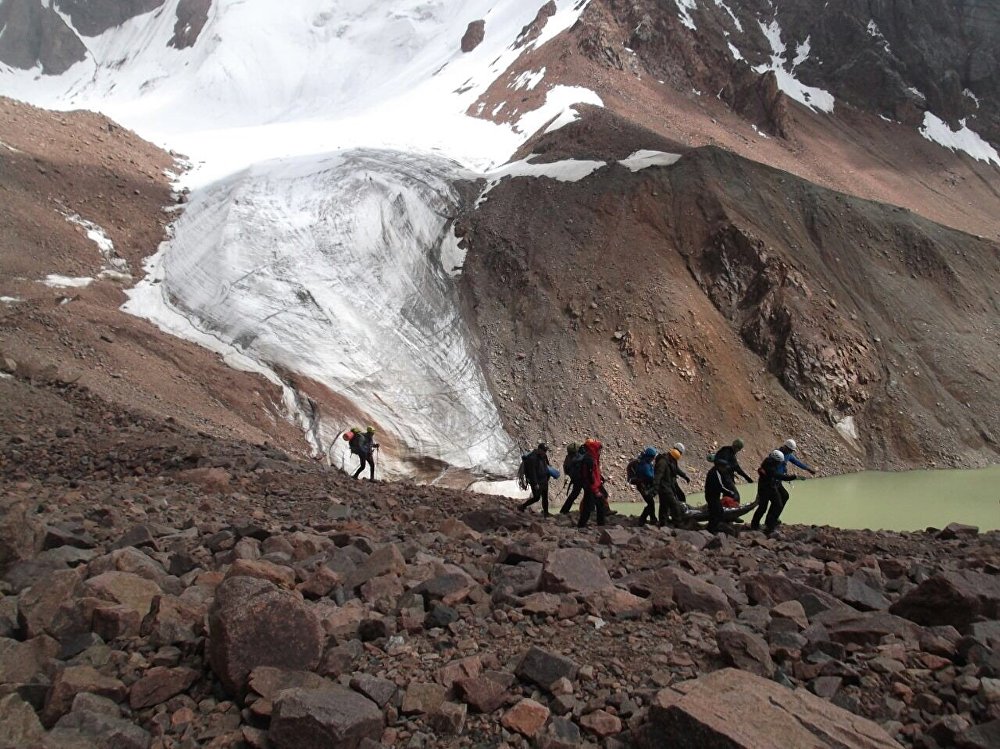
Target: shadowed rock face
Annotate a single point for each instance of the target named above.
(93, 17)
(897, 59)
(37, 35)
(191, 18)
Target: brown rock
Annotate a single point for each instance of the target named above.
(321, 718)
(448, 720)
(463, 668)
(957, 530)
(793, 611)
(526, 717)
(482, 694)
(545, 668)
(455, 529)
(743, 649)
(320, 583)
(159, 684)
(546, 604)
(124, 588)
(71, 681)
(172, 621)
(422, 698)
(21, 534)
(475, 32)
(386, 560)
(283, 577)
(955, 598)
(738, 710)
(252, 623)
(20, 724)
(693, 594)
(379, 691)
(601, 723)
(574, 571)
(268, 681)
(38, 605)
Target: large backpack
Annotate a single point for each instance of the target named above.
(632, 471)
(573, 466)
(522, 476)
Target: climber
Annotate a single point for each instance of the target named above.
(536, 471)
(363, 445)
(665, 480)
(770, 497)
(640, 473)
(788, 451)
(571, 470)
(725, 460)
(594, 493)
(715, 490)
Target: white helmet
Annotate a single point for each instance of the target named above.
(778, 455)
(679, 447)
(790, 444)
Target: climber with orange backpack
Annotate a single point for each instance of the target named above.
(363, 445)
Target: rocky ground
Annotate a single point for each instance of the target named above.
(165, 588)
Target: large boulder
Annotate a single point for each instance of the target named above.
(694, 594)
(126, 589)
(851, 627)
(254, 623)
(321, 718)
(731, 709)
(574, 571)
(21, 726)
(770, 589)
(39, 604)
(956, 598)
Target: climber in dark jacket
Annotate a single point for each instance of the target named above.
(571, 470)
(536, 471)
(769, 497)
(667, 471)
(725, 460)
(363, 445)
(715, 489)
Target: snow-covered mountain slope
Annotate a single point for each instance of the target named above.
(307, 250)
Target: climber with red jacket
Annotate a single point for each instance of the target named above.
(594, 492)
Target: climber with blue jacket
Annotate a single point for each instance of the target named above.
(640, 473)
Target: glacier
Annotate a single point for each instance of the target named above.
(326, 142)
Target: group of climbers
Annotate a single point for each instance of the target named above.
(656, 476)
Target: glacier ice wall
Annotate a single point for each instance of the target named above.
(340, 268)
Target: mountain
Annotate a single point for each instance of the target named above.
(477, 225)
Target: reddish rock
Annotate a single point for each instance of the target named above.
(463, 668)
(268, 681)
(601, 723)
(283, 577)
(320, 718)
(482, 694)
(379, 691)
(526, 717)
(172, 621)
(574, 571)
(320, 583)
(793, 611)
(21, 726)
(386, 560)
(252, 623)
(159, 684)
(546, 604)
(738, 710)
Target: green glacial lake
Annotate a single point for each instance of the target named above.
(909, 500)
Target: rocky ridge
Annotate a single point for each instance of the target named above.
(183, 591)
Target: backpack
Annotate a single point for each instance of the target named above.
(522, 477)
(573, 465)
(632, 471)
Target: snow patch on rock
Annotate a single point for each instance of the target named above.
(964, 139)
(644, 159)
(66, 282)
(810, 96)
